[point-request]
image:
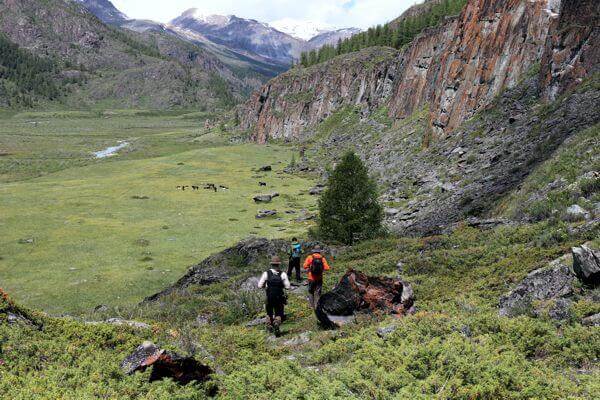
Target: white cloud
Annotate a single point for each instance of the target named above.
(339, 13)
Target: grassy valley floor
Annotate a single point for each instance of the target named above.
(113, 231)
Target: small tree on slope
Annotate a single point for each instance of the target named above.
(348, 209)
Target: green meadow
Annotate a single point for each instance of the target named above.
(82, 232)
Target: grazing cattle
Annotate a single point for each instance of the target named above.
(195, 187)
(223, 187)
(210, 186)
(178, 187)
(262, 183)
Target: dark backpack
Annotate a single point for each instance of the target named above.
(316, 266)
(274, 285)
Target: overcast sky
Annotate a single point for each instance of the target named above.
(338, 13)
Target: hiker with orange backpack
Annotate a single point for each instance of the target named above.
(315, 264)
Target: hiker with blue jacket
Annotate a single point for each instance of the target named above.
(294, 263)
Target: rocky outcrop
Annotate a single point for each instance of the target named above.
(247, 256)
(586, 264)
(548, 283)
(488, 48)
(292, 104)
(553, 289)
(454, 69)
(14, 315)
(572, 51)
(358, 292)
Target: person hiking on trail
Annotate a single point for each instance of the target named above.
(315, 264)
(275, 281)
(295, 254)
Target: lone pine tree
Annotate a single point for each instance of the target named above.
(349, 210)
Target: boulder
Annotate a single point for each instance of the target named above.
(262, 198)
(265, 168)
(390, 212)
(299, 340)
(265, 198)
(400, 267)
(266, 213)
(548, 283)
(385, 331)
(576, 213)
(560, 310)
(341, 320)
(165, 364)
(250, 284)
(305, 216)
(358, 292)
(586, 264)
(592, 320)
(257, 322)
(317, 190)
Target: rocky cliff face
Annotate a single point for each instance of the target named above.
(292, 104)
(454, 69)
(486, 49)
(572, 50)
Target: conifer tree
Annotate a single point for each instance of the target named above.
(348, 209)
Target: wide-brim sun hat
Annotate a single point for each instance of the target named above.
(275, 260)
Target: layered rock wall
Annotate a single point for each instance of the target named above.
(572, 51)
(455, 69)
(293, 103)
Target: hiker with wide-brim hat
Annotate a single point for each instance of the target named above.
(274, 281)
(315, 264)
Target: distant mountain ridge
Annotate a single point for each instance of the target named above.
(280, 43)
(96, 63)
(266, 49)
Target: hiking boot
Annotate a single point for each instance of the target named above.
(276, 325)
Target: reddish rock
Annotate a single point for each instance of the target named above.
(358, 292)
(572, 50)
(165, 365)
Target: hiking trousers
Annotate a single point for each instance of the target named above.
(294, 264)
(274, 307)
(314, 292)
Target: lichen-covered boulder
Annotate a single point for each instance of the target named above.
(552, 282)
(586, 264)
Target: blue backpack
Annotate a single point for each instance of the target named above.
(296, 250)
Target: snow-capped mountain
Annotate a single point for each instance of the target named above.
(251, 37)
(268, 49)
(331, 37)
(304, 30)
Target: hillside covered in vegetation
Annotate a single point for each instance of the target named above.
(397, 33)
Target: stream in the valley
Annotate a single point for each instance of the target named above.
(110, 151)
